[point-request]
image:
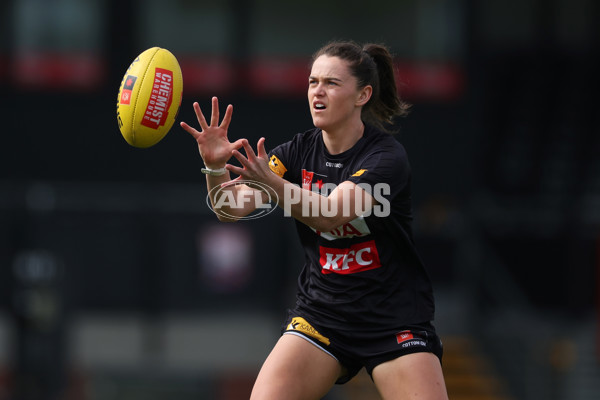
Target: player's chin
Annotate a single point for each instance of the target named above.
(319, 122)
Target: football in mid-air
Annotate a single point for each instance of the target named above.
(149, 97)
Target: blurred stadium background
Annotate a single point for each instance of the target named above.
(116, 282)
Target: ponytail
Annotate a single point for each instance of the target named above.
(387, 105)
(372, 65)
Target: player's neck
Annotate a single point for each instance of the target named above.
(339, 140)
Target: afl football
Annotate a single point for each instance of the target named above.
(149, 97)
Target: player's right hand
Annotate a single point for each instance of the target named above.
(213, 144)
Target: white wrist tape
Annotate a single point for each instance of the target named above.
(214, 172)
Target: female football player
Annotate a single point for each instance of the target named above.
(364, 298)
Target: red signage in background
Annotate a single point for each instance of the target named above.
(429, 81)
(211, 75)
(416, 80)
(279, 77)
(56, 71)
(288, 77)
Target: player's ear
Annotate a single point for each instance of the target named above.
(364, 95)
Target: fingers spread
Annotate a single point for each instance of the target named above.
(214, 118)
(200, 116)
(260, 147)
(240, 157)
(235, 170)
(237, 144)
(227, 118)
(248, 149)
(190, 130)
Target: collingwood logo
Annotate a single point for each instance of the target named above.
(334, 165)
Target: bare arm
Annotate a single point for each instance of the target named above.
(323, 213)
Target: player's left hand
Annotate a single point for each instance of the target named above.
(255, 166)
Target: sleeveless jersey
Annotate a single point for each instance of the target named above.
(365, 275)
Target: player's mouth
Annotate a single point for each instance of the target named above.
(319, 106)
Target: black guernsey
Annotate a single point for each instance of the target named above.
(365, 275)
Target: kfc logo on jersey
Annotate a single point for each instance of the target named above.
(357, 258)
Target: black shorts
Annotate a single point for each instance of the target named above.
(355, 350)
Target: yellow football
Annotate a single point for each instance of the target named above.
(149, 97)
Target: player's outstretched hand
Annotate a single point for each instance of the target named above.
(255, 166)
(213, 144)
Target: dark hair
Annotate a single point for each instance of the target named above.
(371, 64)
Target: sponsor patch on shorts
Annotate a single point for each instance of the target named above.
(407, 339)
(299, 324)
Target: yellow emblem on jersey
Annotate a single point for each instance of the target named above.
(300, 325)
(359, 172)
(277, 166)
